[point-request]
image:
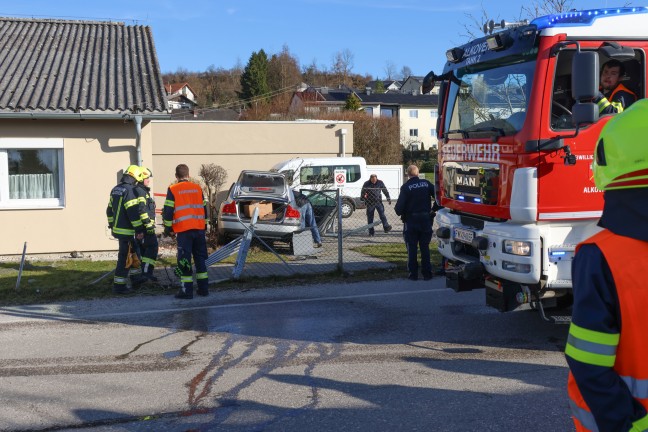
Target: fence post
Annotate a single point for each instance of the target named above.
(22, 264)
(339, 216)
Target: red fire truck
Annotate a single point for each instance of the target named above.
(517, 129)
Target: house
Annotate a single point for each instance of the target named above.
(414, 85)
(76, 102)
(389, 86)
(416, 114)
(180, 96)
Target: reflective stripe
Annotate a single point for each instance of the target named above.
(582, 415)
(186, 191)
(168, 223)
(111, 219)
(119, 280)
(591, 347)
(618, 106)
(131, 203)
(137, 223)
(169, 203)
(188, 217)
(133, 271)
(638, 387)
(186, 279)
(189, 206)
(640, 425)
(202, 275)
(146, 260)
(594, 336)
(124, 231)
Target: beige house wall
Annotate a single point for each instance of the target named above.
(240, 145)
(96, 152)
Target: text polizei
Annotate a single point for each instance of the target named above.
(422, 184)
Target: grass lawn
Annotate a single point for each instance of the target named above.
(72, 279)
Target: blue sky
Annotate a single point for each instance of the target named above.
(196, 34)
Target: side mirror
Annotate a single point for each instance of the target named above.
(428, 82)
(585, 87)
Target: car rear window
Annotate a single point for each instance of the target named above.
(263, 183)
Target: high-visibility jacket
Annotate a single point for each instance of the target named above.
(185, 207)
(625, 352)
(124, 209)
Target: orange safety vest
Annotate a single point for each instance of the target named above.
(189, 208)
(619, 88)
(627, 259)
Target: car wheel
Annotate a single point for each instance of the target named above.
(347, 209)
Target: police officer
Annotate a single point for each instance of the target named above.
(607, 348)
(414, 207)
(185, 213)
(123, 212)
(149, 244)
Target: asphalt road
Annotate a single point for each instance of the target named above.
(374, 356)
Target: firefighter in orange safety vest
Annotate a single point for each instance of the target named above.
(614, 97)
(185, 214)
(607, 347)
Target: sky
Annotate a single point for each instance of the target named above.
(194, 35)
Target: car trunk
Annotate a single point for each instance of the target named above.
(270, 211)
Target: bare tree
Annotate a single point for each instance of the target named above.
(343, 64)
(405, 72)
(546, 7)
(213, 178)
(390, 70)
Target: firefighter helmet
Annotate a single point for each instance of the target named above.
(620, 158)
(146, 173)
(135, 172)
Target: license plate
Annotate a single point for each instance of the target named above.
(463, 236)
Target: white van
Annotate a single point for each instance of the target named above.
(317, 174)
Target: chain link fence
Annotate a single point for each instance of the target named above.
(286, 241)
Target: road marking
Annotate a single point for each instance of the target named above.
(37, 315)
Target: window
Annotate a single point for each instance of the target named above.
(369, 111)
(433, 132)
(413, 132)
(433, 113)
(324, 174)
(413, 113)
(31, 172)
(352, 172)
(387, 112)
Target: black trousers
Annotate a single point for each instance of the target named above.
(192, 244)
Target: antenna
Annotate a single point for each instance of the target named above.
(491, 25)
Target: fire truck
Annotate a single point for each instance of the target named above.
(517, 128)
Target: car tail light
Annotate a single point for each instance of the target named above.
(229, 208)
(292, 213)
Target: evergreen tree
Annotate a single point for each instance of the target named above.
(380, 87)
(254, 80)
(352, 103)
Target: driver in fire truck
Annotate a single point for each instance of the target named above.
(613, 97)
(607, 348)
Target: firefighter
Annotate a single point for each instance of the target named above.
(149, 244)
(123, 212)
(185, 214)
(607, 348)
(614, 97)
(414, 206)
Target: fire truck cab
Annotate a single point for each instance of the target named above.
(517, 128)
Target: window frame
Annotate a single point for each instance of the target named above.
(413, 113)
(413, 132)
(6, 144)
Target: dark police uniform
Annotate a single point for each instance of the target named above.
(414, 207)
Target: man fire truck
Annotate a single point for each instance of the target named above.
(517, 128)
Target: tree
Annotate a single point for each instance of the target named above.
(352, 103)
(283, 71)
(213, 177)
(380, 87)
(390, 70)
(254, 80)
(342, 65)
(405, 72)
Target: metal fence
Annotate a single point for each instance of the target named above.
(347, 243)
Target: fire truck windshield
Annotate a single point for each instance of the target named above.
(489, 100)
